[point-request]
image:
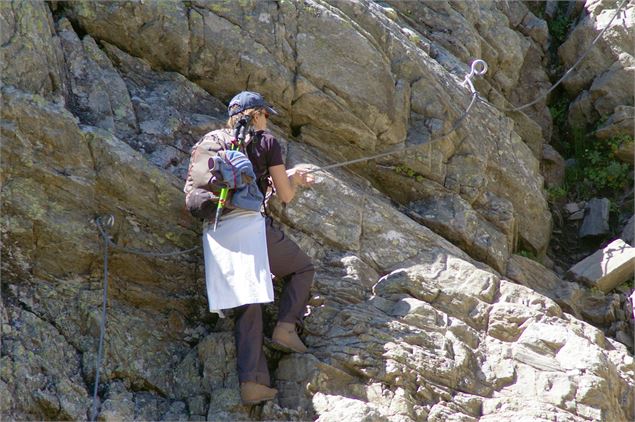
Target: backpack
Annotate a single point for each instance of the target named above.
(212, 167)
(201, 195)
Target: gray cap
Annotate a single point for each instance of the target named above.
(246, 100)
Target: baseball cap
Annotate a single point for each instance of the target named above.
(246, 100)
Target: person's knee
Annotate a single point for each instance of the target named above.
(305, 274)
(306, 267)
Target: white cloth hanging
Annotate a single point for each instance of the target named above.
(236, 261)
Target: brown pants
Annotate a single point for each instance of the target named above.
(285, 258)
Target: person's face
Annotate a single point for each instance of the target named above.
(260, 118)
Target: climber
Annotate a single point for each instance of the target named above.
(284, 257)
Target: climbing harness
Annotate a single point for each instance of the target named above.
(478, 68)
(103, 223)
(568, 72)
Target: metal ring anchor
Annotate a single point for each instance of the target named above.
(474, 71)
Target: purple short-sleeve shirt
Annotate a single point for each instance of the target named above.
(264, 151)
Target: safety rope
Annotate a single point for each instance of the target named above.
(467, 82)
(108, 221)
(568, 72)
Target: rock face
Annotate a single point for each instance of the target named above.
(603, 84)
(400, 102)
(473, 347)
(415, 314)
(32, 57)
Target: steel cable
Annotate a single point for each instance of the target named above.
(108, 243)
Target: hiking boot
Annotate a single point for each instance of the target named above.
(252, 393)
(285, 335)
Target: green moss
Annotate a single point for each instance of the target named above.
(558, 110)
(629, 284)
(602, 167)
(172, 237)
(164, 198)
(86, 9)
(528, 254)
(218, 7)
(414, 38)
(601, 121)
(406, 171)
(556, 193)
(120, 111)
(596, 170)
(559, 26)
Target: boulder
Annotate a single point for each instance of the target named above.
(609, 90)
(486, 32)
(517, 346)
(553, 167)
(575, 299)
(573, 207)
(607, 268)
(113, 23)
(120, 404)
(628, 233)
(620, 122)
(596, 218)
(466, 228)
(613, 88)
(337, 408)
(614, 41)
(171, 112)
(625, 152)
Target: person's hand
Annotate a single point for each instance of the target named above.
(300, 177)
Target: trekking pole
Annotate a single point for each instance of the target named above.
(239, 135)
(222, 198)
